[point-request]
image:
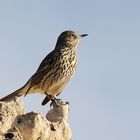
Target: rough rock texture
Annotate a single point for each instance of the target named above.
(15, 124)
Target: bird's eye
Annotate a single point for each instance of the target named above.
(74, 36)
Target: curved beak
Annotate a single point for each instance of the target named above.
(83, 35)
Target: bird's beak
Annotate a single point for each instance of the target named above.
(83, 35)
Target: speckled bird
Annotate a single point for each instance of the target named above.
(54, 72)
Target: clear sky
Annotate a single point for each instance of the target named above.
(104, 94)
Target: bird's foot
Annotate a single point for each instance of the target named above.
(55, 102)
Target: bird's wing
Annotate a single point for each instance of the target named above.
(45, 66)
(47, 61)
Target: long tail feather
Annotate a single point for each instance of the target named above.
(17, 93)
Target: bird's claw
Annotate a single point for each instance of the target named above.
(55, 102)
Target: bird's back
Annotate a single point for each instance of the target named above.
(55, 71)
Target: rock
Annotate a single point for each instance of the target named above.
(8, 114)
(15, 124)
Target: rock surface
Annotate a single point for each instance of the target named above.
(15, 124)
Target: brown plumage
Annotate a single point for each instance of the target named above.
(55, 70)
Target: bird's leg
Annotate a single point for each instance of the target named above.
(58, 101)
(55, 101)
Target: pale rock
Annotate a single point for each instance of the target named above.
(15, 124)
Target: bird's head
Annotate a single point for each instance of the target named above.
(69, 39)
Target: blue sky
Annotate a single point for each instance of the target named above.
(104, 94)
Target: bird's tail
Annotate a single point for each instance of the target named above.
(16, 93)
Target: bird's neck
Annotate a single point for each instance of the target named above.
(65, 48)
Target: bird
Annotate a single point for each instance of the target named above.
(55, 71)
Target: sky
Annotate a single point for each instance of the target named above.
(104, 94)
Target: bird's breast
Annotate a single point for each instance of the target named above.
(66, 67)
